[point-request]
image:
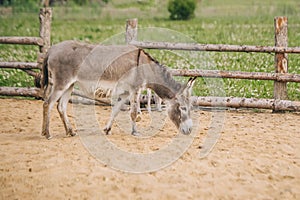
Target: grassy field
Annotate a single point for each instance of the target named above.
(217, 21)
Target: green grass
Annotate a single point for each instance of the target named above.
(217, 21)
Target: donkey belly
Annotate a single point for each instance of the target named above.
(95, 89)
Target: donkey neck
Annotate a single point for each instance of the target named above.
(163, 84)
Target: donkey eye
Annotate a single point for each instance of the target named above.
(183, 108)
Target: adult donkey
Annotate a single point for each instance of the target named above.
(122, 68)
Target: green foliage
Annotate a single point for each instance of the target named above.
(25, 6)
(181, 9)
(129, 4)
(81, 2)
(15, 78)
(86, 2)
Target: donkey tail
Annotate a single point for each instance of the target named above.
(44, 79)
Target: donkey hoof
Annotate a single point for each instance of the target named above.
(48, 137)
(135, 133)
(71, 133)
(107, 131)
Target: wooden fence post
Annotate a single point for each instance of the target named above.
(45, 17)
(281, 59)
(45, 3)
(131, 30)
(45, 31)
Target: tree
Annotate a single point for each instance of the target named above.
(181, 9)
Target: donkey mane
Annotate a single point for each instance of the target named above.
(167, 76)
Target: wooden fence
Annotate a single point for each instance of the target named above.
(280, 76)
(43, 41)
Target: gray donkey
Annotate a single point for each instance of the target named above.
(124, 69)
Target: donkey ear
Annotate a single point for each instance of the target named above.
(189, 86)
(191, 82)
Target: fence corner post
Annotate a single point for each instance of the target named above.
(45, 17)
(281, 59)
(131, 30)
(45, 28)
(45, 3)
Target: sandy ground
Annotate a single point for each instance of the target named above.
(256, 157)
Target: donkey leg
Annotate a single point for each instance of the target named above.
(139, 101)
(46, 119)
(158, 102)
(115, 110)
(47, 107)
(133, 113)
(62, 110)
(149, 95)
(45, 127)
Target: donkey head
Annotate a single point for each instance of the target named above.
(180, 106)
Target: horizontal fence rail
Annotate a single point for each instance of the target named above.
(209, 101)
(19, 65)
(214, 47)
(237, 75)
(20, 91)
(22, 40)
(238, 102)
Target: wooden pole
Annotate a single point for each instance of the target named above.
(82, 100)
(102, 101)
(131, 30)
(17, 91)
(45, 3)
(215, 47)
(45, 28)
(281, 59)
(31, 73)
(233, 102)
(22, 40)
(238, 102)
(19, 65)
(45, 17)
(236, 75)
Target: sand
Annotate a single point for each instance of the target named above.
(256, 157)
